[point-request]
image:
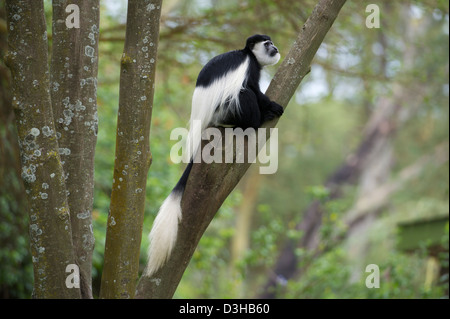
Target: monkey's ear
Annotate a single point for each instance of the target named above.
(251, 45)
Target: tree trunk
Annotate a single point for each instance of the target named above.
(240, 242)
(209, 184)
(74, 67)
(133, 157)
(42, 172)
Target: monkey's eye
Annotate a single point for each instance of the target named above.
(268, 43)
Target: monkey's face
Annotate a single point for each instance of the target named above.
(266, 53)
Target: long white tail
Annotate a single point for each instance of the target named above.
(163, 235)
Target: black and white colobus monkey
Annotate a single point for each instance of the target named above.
(227, 93)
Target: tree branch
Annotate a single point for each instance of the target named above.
(133, 157)
(209, 184)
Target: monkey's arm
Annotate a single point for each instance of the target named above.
(269, 109)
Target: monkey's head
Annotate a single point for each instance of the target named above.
(262, 47)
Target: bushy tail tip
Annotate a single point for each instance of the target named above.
(163, 235)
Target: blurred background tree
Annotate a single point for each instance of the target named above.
(357, 71)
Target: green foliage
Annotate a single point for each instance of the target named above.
(16, 275)
(331, 277)
(327, 278)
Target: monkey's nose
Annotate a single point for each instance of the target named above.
(274, 51)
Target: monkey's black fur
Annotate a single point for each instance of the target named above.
(256, 106)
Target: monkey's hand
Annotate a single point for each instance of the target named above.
(275, 110)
